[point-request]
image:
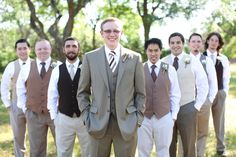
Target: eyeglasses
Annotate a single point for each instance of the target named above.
(109, 31)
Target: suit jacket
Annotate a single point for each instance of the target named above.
(94, 95)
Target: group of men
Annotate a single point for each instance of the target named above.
(112, 98)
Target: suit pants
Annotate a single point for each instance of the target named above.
(18, 124)
(186, 125)
(67, 129)
(218, 114)
(38, 125)
(158, 131)
(123, 148)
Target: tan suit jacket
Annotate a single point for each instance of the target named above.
(94, 95)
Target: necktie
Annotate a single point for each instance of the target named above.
(175, 63)
(43, 70)
(153, 74)
(72, 73)
(112, 61)
(23, 63)
(213, 58)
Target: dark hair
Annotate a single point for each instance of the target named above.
(194, 34)
(221, 42)
(22, 41)
(71, 38)
(153, 41)
(110, 19)
(177, 34)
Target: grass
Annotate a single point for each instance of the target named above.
(6, 139)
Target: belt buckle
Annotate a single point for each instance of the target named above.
(74, 115)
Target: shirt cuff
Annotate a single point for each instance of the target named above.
(198, 106)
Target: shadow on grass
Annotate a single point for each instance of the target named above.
(4, 116)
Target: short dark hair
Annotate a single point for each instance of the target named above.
(221, 42)
(153, 41)
(177, 34)
(194, 34)
(71, 38)
(22, 41)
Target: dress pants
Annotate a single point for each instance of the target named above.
(38, 125)
(218, 114)
(102, 147)
(158, 131)
(18, 124)
(186, 125)
(67, 129)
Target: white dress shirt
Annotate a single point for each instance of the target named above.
(226, 70)
(175, 93)
(6, 81)
(22, 78)
(211, 76)
(53, 94)
(117, 53)
(201, 82)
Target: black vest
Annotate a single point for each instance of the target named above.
(67, 90)
(219, 72)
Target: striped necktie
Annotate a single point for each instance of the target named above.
(112, 61)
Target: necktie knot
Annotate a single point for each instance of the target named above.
(43, 70)
(175, 63)
(43, 63)
(23, 63)
(153, 74)
(153, 67)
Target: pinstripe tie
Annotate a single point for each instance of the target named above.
(112, 61)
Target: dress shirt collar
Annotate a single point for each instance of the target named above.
(209, 53)
(180, 56)
(158, 63)
(26, 62)
(117, 50)
(195, 56)
(48, 62)
(76, 63)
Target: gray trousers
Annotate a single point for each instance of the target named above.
(186, 125)
(18, 124)
(218, 114)
(38, 125)
(102, 147)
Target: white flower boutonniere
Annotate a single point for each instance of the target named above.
(187, 61)
(203, 61)
(126, 56)
(218, 59)
(164, 67)
(53, 65)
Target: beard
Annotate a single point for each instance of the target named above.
(71, 56)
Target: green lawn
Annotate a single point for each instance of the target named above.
(6, 142)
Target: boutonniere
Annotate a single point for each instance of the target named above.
(203, 61)
(53, 65)
(126, 56)
(187, 61)
(164, 67)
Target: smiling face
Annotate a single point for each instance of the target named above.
(22, 51)
(213, 43)
(176, 45)
(71, 50)
(43, 50)
(111, 33)
(195, 44)
(153, 53)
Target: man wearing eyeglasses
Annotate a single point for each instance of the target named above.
(114, 78)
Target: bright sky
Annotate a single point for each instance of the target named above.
(184, 26)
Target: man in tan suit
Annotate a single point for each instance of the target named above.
(113, 76)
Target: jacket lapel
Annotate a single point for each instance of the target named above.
(121, 65)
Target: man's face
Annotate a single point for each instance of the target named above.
(195, 44)
(153, 53)
(176, 45)
(22, 51)
(111, 33)
(43, 50)
(71, 49)
(213, 43)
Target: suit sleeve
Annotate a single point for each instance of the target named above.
(83, 94)
(140, 93)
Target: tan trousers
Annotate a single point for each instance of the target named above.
(218, 114)
(18, 124)
(38, 125)
(67, 129)
(102, 147)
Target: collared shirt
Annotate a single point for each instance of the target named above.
(211, 76)
(6, 81)
(53, 94)
(201, 81)
(226, 70)
(22, 78)
(117, 53)
(175, 93)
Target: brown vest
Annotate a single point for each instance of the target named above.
(37, 89)
(157, 93)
